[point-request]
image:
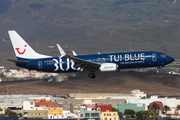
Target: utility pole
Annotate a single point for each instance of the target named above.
(7, 90)
(37, 44)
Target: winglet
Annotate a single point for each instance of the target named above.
(61, 50)
(74, 53)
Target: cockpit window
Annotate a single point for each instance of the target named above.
(163, 55)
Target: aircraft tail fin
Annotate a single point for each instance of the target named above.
(21, 48)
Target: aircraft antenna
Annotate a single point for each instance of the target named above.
(130, 47)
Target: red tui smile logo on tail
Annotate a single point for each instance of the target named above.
(17, 49)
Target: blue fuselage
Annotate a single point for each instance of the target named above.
(124, 60)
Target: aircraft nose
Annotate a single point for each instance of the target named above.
(170, 59)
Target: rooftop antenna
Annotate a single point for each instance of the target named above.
(174, 2)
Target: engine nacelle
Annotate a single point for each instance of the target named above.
(107, 67)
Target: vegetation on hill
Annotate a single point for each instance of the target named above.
(91, 26)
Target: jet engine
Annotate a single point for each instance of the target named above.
(107, 67)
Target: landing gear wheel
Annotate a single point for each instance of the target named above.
(92, 75)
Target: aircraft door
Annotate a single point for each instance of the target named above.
(103, 60)
(153, 56)
(39, 64)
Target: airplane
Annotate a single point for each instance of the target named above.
(65, 63)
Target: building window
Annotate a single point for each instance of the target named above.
(114, 118)
(87, 115)
(31, 103)
(95, 115)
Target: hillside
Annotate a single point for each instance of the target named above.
(149, 82)
(57, 19)
(91, 26)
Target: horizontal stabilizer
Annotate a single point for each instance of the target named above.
(18, 61)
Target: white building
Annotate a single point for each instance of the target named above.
(171, 102)
(30, 103)
(138, 93)
(141, 98)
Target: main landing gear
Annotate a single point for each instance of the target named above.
(92, 75)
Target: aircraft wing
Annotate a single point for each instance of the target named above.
(83, 65)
